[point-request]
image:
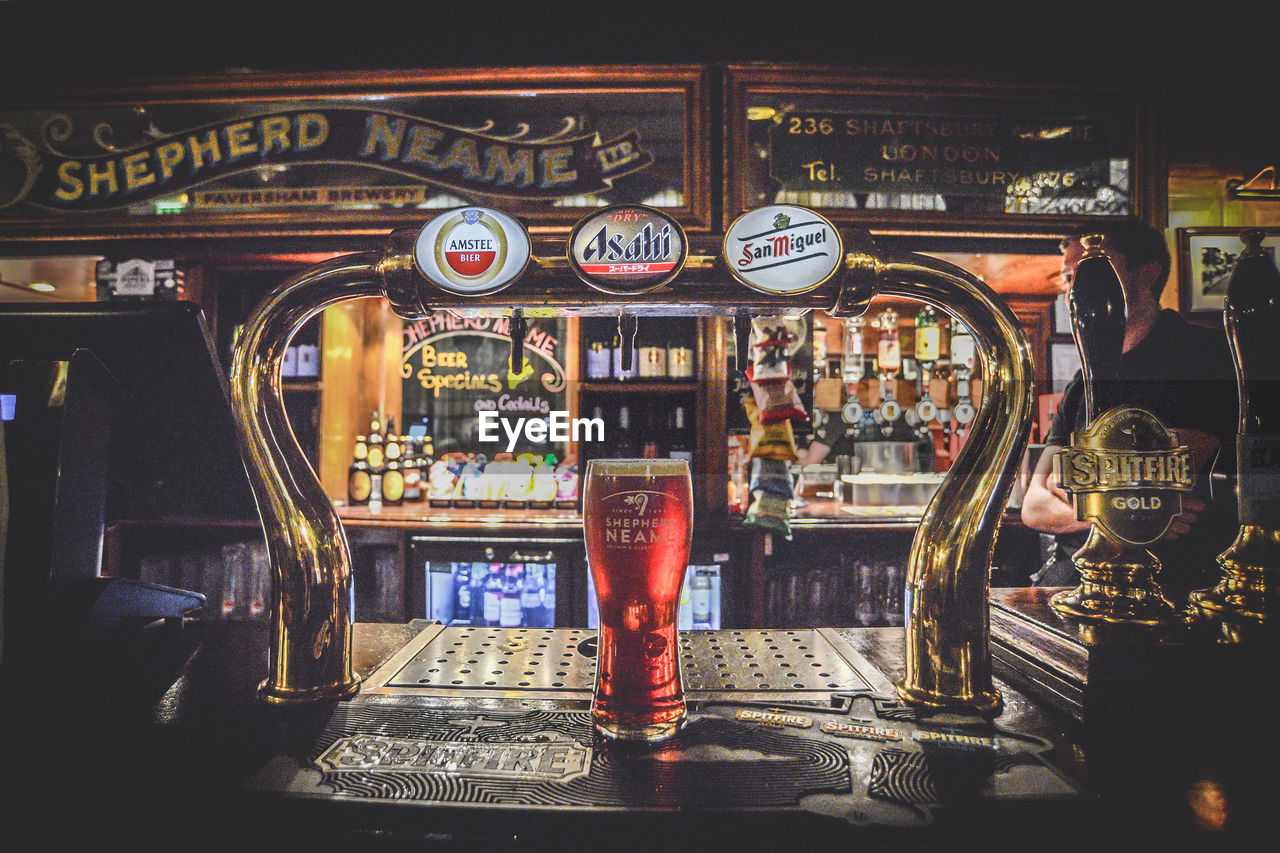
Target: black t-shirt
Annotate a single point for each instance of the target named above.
(1183, 374)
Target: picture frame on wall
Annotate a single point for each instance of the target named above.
(1064, 361)
(1206, 258)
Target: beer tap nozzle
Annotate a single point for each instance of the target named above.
(627, 325)
(519, 326)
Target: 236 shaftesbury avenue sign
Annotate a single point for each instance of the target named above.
(39, 173)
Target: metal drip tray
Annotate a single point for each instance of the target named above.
(559, 663)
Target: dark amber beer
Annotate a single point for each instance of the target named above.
(638, 521)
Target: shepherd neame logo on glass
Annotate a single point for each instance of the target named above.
(627, 249)
(472, 251)
(782, 249)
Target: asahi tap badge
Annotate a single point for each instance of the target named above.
(627, 249)
(472, 251)
(782, 249)
(1127, 474)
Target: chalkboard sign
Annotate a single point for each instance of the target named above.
(455, 368)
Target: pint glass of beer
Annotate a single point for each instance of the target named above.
(638, 521)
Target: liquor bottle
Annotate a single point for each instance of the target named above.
(359, 481)
(928, 337)
(479, 575)
(889, 350)
(681, 447)
(509, 609)
(819, 350)
(679, 360)
(493, 595)
(650, 448)
(700, 600)
(549, 590)
(651, 353)
(531, 596)
(599, 357)
(852, 361)
(462, 594)
(393, 473)
(377, 452)
(624, 443)
(412, 470)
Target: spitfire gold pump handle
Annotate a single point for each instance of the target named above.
(310, 658)
(1098, 312)
(948, 663)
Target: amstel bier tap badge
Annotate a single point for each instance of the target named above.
(472, 251)
(627, 249)
(782, 249)
(1127, 473)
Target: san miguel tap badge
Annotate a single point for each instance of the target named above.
(1127, 474)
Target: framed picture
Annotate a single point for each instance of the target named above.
(1064, 361)
(1206, 257)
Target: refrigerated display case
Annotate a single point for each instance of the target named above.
(496, 581)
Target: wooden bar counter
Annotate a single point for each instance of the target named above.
(155, 739)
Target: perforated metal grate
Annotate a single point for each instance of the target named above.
(561, 661)
(504, 658)
(762, 660)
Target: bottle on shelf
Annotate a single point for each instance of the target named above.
(852, 360)
(509, 609)
(599, 357)
(412, 469)
(493, 592)
(679, 359)
(479, 576)
(531, 588)
(650, 447)
(462, 594)
(700, 600)
(359, 478)
(681, 446)
(624, 445)
(651, 352)
(928, 341)
(376, 452)
(888, 348)
(393, 472)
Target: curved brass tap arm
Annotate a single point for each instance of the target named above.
(948, 658)
(311, 612)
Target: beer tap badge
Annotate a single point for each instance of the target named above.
(472, 251)
(1127, 473)
(782, 249)
(627, 249)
